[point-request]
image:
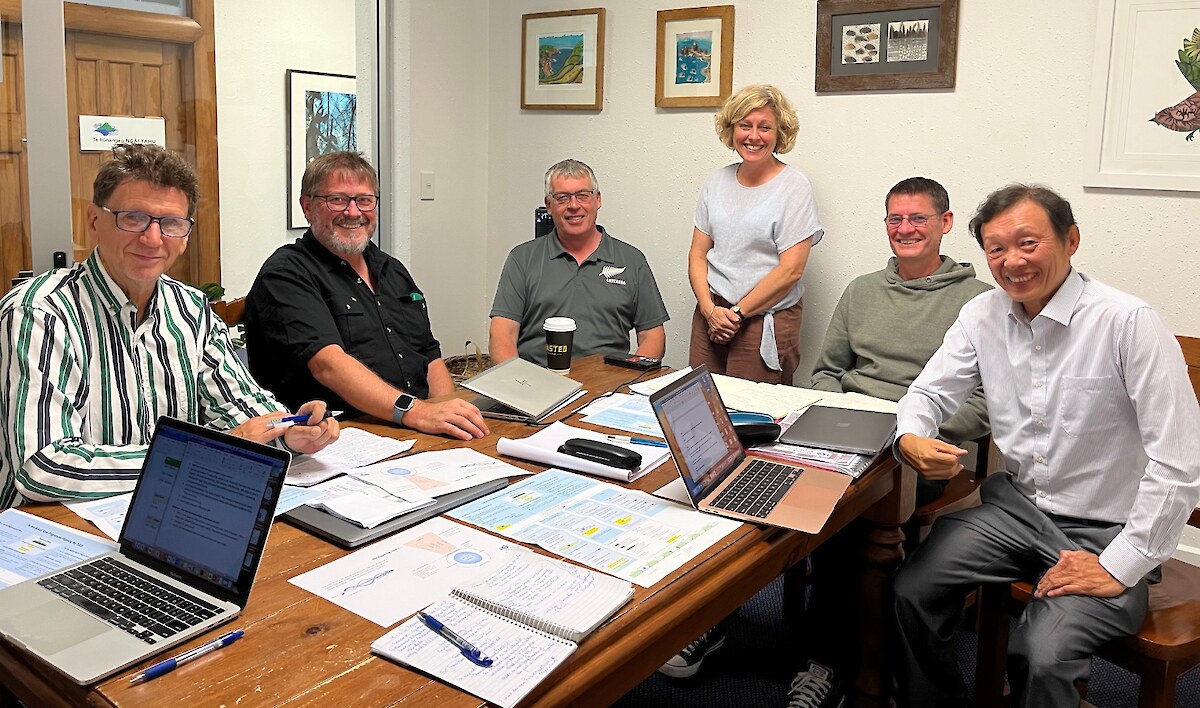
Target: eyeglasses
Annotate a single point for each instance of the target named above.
(915, 220)
(341, 202)
(136, 222)
(583, 196)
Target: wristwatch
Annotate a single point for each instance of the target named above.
(402, 405)
(737, 310)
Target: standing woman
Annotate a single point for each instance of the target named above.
(755, 224)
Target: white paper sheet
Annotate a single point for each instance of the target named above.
(434, 474)
(354, 448)
(393, 578)
(31, 546)
(630, 413)
(646, 388)
(364, 504)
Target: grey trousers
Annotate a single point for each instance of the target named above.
(1006, 538)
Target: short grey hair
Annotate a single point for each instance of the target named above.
(568, 169)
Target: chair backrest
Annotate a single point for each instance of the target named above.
(232, 311)
(1191, 355)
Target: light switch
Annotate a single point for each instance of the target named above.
(426, 185)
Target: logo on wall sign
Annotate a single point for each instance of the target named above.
(610, 273)
(105, 129)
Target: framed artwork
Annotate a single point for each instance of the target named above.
(1144, 118)
(322, 117)
(694, 60)
(562, 60)
(868, 45)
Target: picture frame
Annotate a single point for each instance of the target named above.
(562, 60)
(694, 57)
(872, 45)
(1138, 79)
(322, 117)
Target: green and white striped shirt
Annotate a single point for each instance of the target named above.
(84, 383)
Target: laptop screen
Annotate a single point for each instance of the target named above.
(203, 505)
(702, 439)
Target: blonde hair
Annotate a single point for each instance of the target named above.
(750, 99)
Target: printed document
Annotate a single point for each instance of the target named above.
(355, 447)
(31, 546)
(629, 413)
(393, 578)
(364, 504)
(618, 531)
(433, 474)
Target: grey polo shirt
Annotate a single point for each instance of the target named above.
(612, 292)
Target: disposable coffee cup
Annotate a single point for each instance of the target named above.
(560, 331)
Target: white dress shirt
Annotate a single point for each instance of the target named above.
(1090, 404)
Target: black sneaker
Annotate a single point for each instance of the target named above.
(815, 688)
(687, 662)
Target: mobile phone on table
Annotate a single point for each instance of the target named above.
(633, 361)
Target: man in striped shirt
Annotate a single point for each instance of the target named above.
(92, 355)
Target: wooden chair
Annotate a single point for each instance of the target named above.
(232, 311)
(1166, 647)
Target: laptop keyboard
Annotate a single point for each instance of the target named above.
(130, 600)
(757, 489)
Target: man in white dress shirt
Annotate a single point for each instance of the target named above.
(1092, 409)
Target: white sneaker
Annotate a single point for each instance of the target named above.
(815, 688)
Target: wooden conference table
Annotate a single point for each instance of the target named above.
(302, 650)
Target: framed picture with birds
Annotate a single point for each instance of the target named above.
(1145, 107)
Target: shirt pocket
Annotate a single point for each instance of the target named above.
(1092, 406)
(351, 319)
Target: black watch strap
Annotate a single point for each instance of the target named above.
(402, 406)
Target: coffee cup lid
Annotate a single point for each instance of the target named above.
(559, 324)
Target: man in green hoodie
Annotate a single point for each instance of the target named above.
(885, 328)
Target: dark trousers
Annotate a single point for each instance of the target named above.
(1006, 538)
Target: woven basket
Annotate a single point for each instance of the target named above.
(464, 366)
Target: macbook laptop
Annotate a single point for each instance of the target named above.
(841, 429)
(192, 540)
(350, 535)
(520, 390)
(720, 478)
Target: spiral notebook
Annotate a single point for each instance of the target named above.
(527, 617)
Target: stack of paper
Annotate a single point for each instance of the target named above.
(354, 448)
(776, 400)
(364, 504)
(844, 462)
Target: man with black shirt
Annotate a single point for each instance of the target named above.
(334, 313)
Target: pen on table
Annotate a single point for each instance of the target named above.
(636, 441)
(290, 420)
(165, 667)
(468, 649)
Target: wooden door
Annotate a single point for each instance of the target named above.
(15, 250)
(140, 64)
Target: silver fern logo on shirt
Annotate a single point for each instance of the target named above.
(610, 273)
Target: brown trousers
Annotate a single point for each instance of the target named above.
(740, 356)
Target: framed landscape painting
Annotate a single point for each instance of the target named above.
(322, 117)
(694, 59)
(865, 45)
(562, 60)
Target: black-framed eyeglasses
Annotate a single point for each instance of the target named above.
(136, 222)
(583, 196)
(341, 202)
(916, 220)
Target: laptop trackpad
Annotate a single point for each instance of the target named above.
(44, 628)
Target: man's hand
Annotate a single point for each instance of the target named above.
(934, 459)
(301, 438)
(455, 418)
(722, 324)
(1078, 573)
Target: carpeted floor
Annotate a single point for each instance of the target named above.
(757, 665)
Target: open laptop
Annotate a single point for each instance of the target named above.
(350, 535)
(520, 390)
(841, 429)
(720, 478)
(193, 537)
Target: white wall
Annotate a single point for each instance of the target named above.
(257, 42)
(1019, 112)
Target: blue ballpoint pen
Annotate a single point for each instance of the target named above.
(166, 667)
(636, 441)
(289, 420)
(468, 650)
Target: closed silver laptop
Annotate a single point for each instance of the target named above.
(191, 544)
(841, 429)
(524, 390)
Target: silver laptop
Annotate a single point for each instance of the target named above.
(720, 478)
(192, 540)
(841, 429)
(520, 390)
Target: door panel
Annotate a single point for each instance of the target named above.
(15, 250)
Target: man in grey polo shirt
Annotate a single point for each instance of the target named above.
(576, 271)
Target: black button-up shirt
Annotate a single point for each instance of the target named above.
(306, 297)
